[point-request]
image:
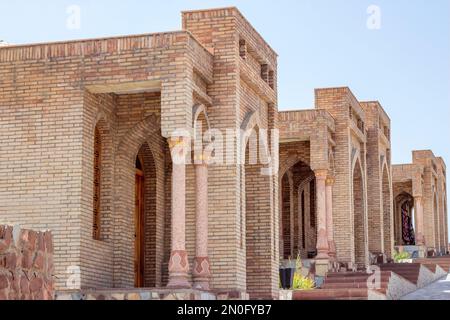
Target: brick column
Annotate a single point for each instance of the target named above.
(202, 270)
(418, 205)
(178, 263)
(292, 221)
(330, 231)
(322, 238)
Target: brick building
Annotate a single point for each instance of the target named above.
(92, 132)
(420, 203)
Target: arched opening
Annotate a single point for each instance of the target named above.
(387, 214)
(287, 219)
(359, 217)
(404, 220)
(298, 207)
(145, 219)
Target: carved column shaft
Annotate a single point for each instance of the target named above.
(330, 229)
(418, 204)
(178, 263)
(202, 271)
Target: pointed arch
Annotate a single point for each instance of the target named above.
(147, 132)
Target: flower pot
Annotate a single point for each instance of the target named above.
(287, 277)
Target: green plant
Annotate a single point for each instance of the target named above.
(303, 283)
(401, 256)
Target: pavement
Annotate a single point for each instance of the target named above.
(439, 290)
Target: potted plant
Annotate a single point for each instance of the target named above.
(402, 257)
(287, 271)
(303, 283)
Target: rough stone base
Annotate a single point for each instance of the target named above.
(135, 294)
(148, 294)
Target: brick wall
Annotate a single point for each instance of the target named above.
(379, 183)
(238, 90)
(350, 147)
(26, 264)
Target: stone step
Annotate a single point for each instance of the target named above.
(331, 294)
(362, 279)
(400, 266)
(355, 285)
(353, 274)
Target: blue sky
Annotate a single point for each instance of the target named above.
(321, 43)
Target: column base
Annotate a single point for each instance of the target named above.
(178, 270)
(201, 273)
(322, 267)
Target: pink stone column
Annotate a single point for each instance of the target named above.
(178, 263)
(330, 231)
(322, 238)
(418, 204)
(202, 270)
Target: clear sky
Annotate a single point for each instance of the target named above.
(321, 43)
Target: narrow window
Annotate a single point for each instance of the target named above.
(97, 178)
(242, 49)
(265, 72)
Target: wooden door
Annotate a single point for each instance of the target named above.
(138, 236)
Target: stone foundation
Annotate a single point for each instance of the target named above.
(148, 294)
(26, 264)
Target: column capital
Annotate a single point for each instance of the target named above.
(321, 174)
(179, 146)
(178, 141)
(418, 198)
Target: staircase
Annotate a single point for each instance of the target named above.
(431, 263)
(409, 271)
(346, 286)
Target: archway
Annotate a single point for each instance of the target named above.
(143, 140)
(286, 216)
(359, 239)
(145, 218)
(404, 227)
(298, 209)
(387, 214)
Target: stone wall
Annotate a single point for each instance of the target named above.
(26, 264)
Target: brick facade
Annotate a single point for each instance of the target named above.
(424, 180)
(143, 94)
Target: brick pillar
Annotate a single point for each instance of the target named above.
(418, 205)
(178, 263)
(292, 215)
(202, 270)
(330, 231)
(322, 238)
